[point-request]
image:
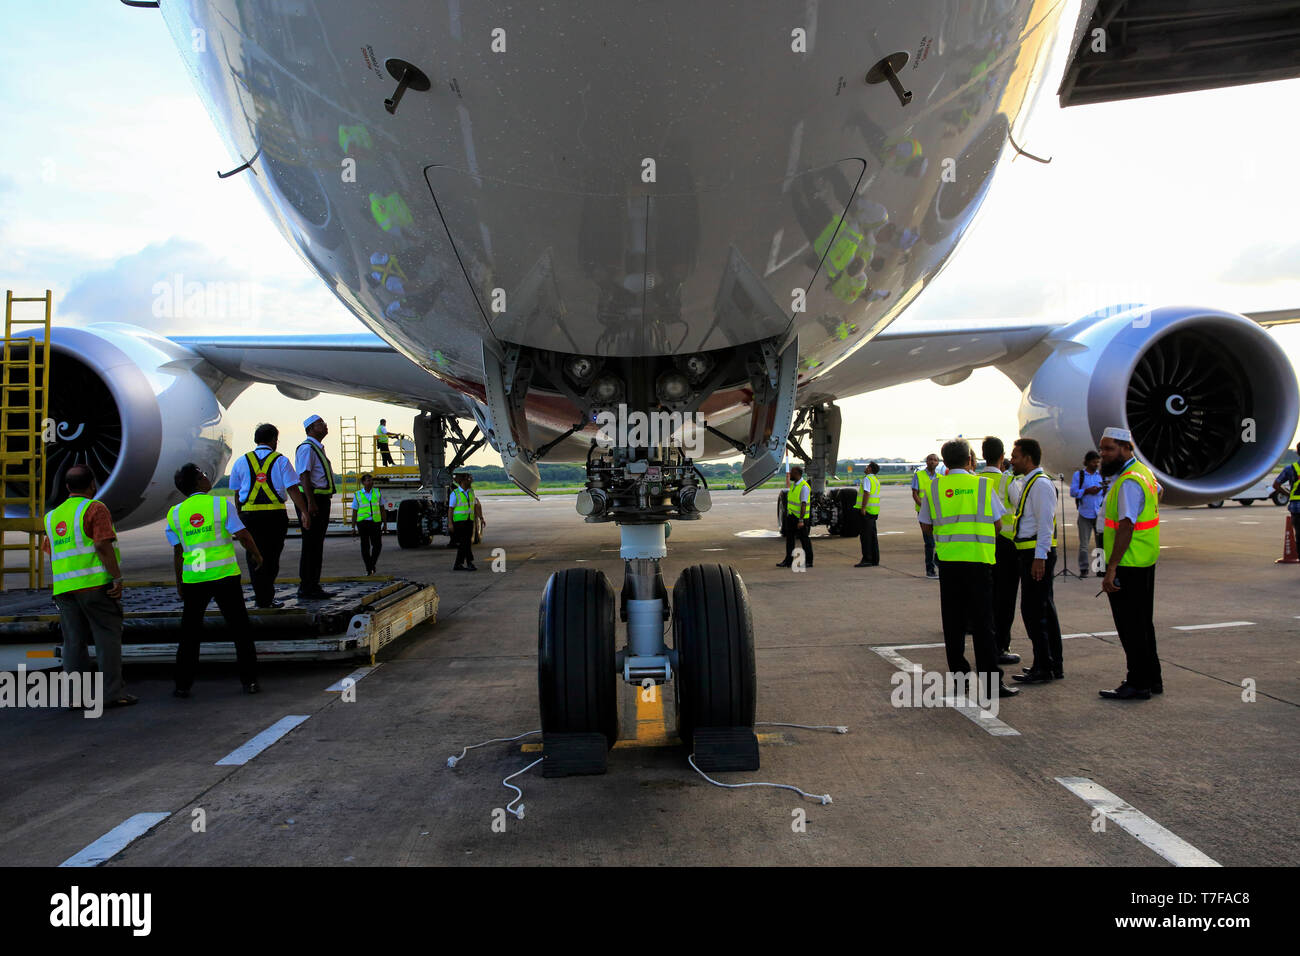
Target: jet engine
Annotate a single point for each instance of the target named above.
(134, 407)
(1210, 398)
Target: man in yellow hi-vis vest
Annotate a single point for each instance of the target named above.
(82, 545)
(798, 518)
(964, 510)
(1131, 538)
(465, 511)
(202, 531)
(868, 505)
(368, 521)
(263, 480)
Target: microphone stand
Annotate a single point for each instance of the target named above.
(1062, 553)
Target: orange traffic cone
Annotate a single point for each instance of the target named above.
(1288, 545)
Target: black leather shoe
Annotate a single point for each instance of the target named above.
(1083, 574)
(470, 567)
(1125, 691)
(1005, 691)
(1158, 687)
(1006, 657)
(1032, 676)
(458, 567)
(322, 593)
(180, 693)
(864, 564)
(784, 564)
(1058, 675)
(252, 688)
(271, 605)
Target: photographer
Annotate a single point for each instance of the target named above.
(1088, 489)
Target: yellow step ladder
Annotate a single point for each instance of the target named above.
(350, 464)
(24, 408)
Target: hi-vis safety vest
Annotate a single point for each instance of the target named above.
(849, 288)
(1144, 548)
(794, 505)
(1023, 544)
(462, 502)
(923, 479)
(961, 511)
(872, 493)
(208, 550)
(75, 562)
(325, 464)
(262, 495)
(367, 505)
(381, 436)
(844, 248)
(1002, 485)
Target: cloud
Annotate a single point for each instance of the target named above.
(180, 286)
(1265, 263)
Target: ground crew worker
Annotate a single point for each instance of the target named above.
(965, 513)
(87, 575)
(1034, 539)
(262, 480)
(381, 441)
(316, 481)
(464, 513)
(798, 518)
(1131, 538)
(369, 521)
(868, 504)
(1285, 484)
(1006, 567)
(921, 479)
(202, 530)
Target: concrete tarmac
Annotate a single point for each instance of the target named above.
(1211, 766)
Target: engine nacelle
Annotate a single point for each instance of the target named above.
(1210, 398)
(129, 404)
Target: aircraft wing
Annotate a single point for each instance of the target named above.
(357, 364)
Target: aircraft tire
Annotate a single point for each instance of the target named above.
(780, 511)
(850, 517)
(713, 634)
(410, 533)
(577, 678)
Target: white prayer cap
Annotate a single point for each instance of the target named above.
(311, 420)
(1119, 434)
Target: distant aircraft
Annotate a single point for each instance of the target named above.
(543, 213)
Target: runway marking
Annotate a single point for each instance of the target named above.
(713, 549)
(878, 533)
(1173, 848)
(117, 839)
(49, 653)
(355, 676)
(1205, 627)
(977, 715)
(758, 534)
(1247, 522)
(651, 727)
(255, 745)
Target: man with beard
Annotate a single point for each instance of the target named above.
(1131, 539)
(1034, 540)
(1006, 567)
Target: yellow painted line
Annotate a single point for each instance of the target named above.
(49, 653)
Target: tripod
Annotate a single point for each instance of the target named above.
(1062, 553)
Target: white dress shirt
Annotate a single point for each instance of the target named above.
(306, 459)
(1036, 521)
(282, 474)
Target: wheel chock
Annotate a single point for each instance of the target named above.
(571, 755)
(725, 748)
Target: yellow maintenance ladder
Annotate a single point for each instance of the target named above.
(24, 408)
(349, 464)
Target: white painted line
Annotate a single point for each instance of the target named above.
(1205, 627)
(115, 840)
(912, 647)
(1173, 848)
(880, 533)
(355, 676)
(967, 708)
(255, 745)
(1247, 522)
(1092, 634)
(713, 549)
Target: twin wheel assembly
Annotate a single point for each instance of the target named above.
(711, 664)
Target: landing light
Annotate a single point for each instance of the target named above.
(672, 387)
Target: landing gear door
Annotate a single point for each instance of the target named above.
(771, 417)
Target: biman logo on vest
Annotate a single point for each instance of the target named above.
(61, 528)
(196, 520)
(636, 429)
(75, 908)
(47, 688)
(958, 491)
(945, 689)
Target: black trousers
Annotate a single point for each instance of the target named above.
(372, 543)
(313, 546)
(1038, 611)
(268, 529)
(868, 539)
(792, 531)
(384, 455)
(966, 596)
(462, 536)
(228, 592)
(1006, 580)
(1133, 608)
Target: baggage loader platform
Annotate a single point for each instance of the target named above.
(364, 616)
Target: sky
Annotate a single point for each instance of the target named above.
(108, 186)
